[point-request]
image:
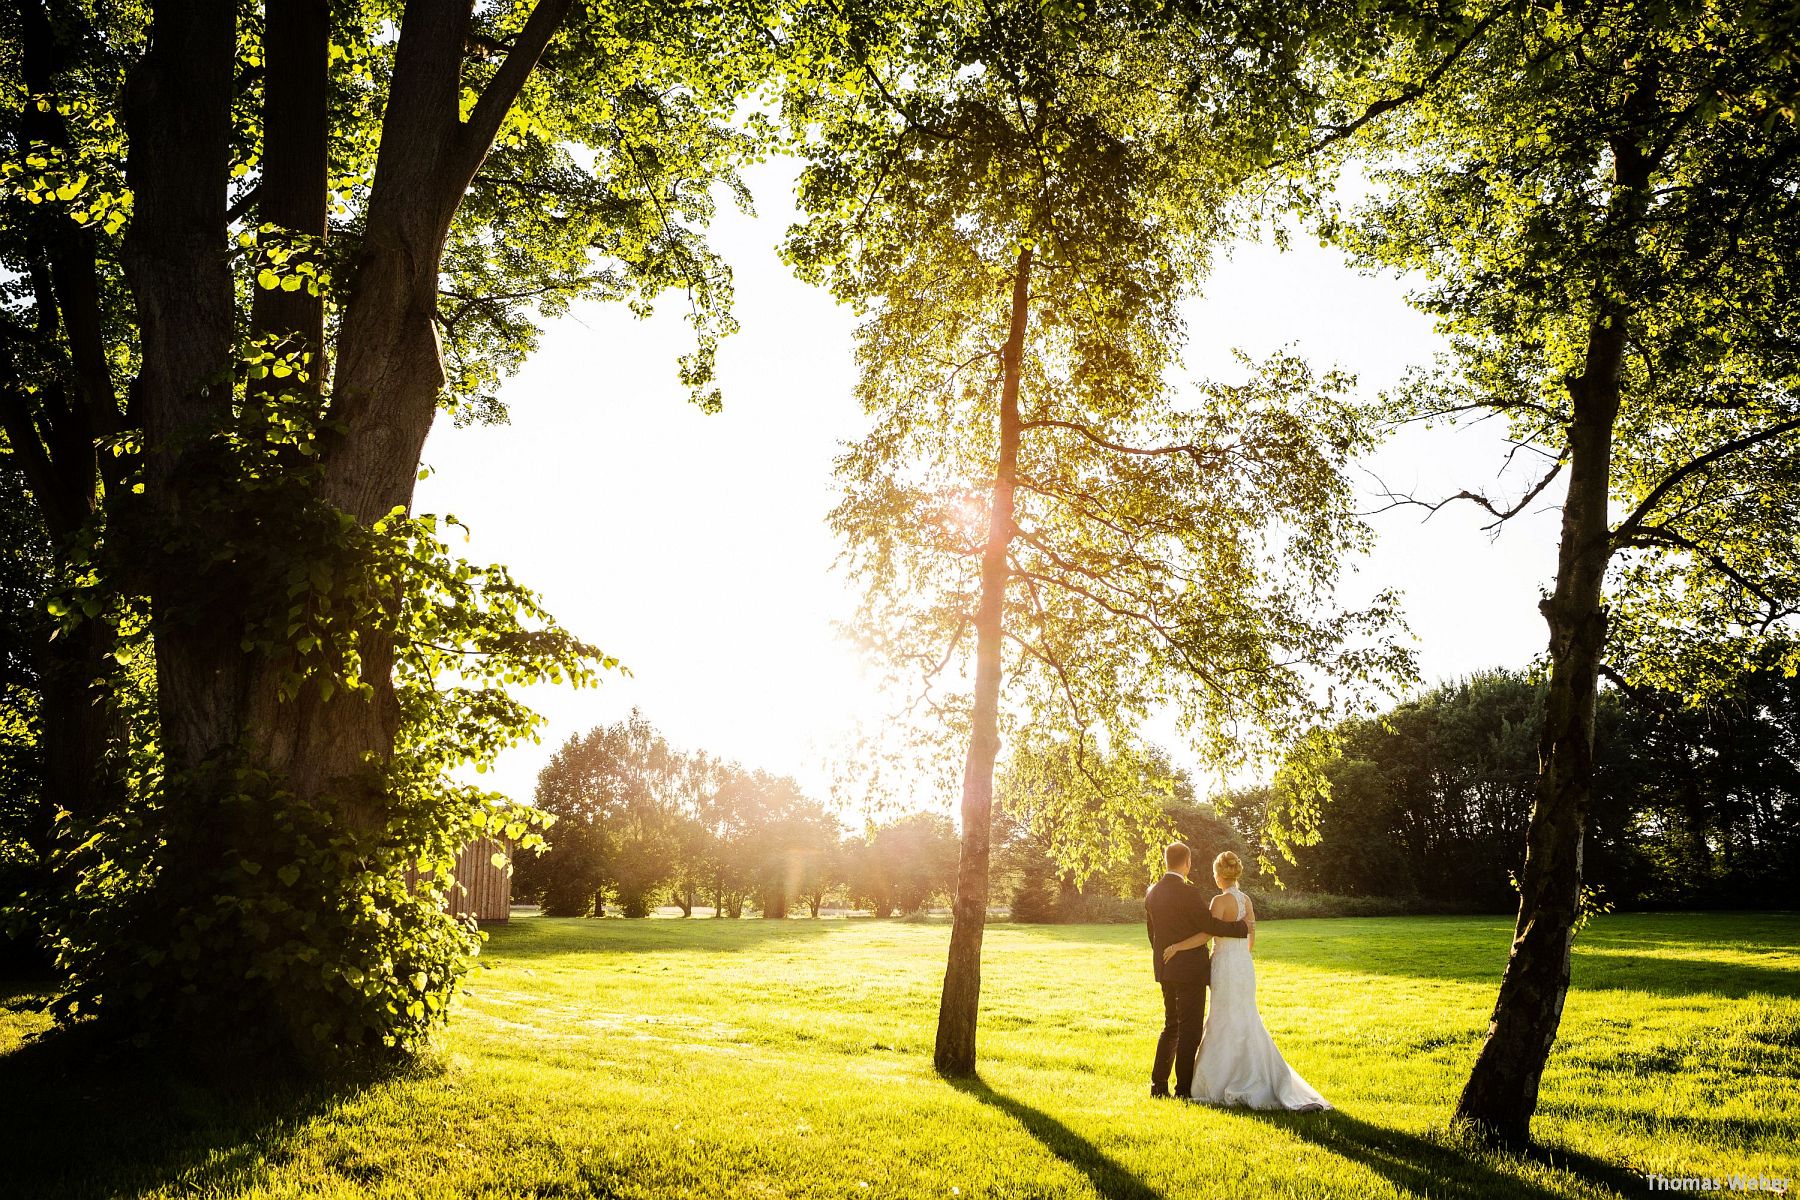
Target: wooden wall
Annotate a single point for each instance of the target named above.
(481, 889)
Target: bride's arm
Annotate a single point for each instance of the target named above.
(1250, 916)
(1199, 939)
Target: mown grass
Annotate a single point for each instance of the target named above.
(769, 1059)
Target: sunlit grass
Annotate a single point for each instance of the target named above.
(763, 1059)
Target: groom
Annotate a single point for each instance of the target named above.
(1175, 910)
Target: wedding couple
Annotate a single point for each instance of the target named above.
(1227, 1058)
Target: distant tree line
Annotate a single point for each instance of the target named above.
(1695, 805)
(641, 823)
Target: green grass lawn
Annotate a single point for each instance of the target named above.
(792, 1058)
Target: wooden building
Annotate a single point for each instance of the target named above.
(481, 889)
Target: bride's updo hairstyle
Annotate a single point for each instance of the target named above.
(1228, 867)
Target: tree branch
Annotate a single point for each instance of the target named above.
(1501, 515)
(1202, 456)
(1629, 528)
(1656, 535)
(1387, 104)
(476, 136)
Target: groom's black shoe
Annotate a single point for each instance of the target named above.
(1160, 1093)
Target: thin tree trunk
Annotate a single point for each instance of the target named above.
(55, 437)
(1501, 1094)
(960, 1006)
(78, 721)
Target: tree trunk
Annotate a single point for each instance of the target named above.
(388, 376)
(1501, 1094)
(960, 1006)
(78, 720)
(55, 436)
(292, 193)
(1695, 826)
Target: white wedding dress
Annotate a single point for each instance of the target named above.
(1239, 1063)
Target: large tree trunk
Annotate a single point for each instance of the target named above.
(179, 120)
(959, 1008)
(1501, 1094)
(388, 376)
(384, 395)
(220, 704)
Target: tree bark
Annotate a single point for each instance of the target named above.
(960, 1005)
(1501, 1094)
(218, 703)
(178, 113)
(292, 193)
(56, 435)
(388, 376)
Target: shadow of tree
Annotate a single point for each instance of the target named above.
(1110, 1179)
(84, 1118)
(1447, 1167)
(540, 937)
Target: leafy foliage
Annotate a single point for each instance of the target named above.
(903, 865)
(1048, 812)
(1498, 184)
(219, 890)
(641, 820)
(1163, 550)
(1431, 800)
(321, 671)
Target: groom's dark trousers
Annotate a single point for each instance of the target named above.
(1175, 910)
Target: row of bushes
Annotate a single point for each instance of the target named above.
(1270, 906)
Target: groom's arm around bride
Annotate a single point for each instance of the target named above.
(1175, 910)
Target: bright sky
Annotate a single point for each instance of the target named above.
(695, 548)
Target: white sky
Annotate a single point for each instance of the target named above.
(695, 548)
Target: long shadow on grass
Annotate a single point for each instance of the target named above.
(1447, 1170)
(85, 1119)
(543, 937)
(1108, 1177)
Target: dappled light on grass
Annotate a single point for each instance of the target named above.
(640, 1059)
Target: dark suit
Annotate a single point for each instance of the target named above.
(1175, 910)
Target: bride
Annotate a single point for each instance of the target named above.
(1239, 1063)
